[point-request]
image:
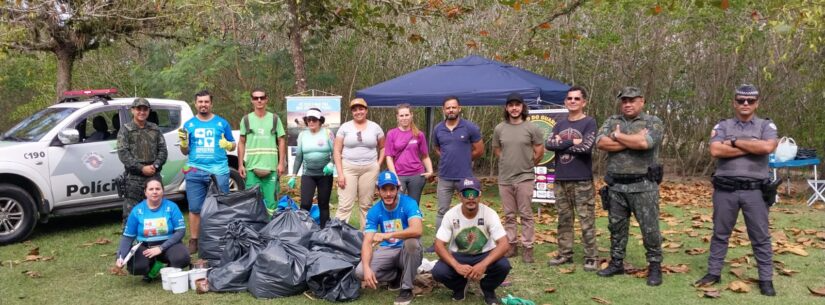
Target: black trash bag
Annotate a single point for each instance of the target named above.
(279, 270)
(331, 277)
(339, 237)
(242, 250)
(220, 209)
(291, 226)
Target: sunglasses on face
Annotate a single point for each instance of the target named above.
(312, 119)
(742, 101)
(573, 98)
(470, 193)
(259, 98)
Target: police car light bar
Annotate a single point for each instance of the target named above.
(95, 92)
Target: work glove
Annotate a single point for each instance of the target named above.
(223, 143)
(328, 169)
(291, 182)
(183, 136)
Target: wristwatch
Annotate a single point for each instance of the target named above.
(733, 142)
(157, 167)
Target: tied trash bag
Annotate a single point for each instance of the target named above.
(244, 247)
(291, 226)
(286, 203)
(332, 278)
(221, 209)
(279, 270)
(339, 237)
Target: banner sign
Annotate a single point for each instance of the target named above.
(296, 108)
(543, 189)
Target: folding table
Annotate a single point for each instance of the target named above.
(816, 185)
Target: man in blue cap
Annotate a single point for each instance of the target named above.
(394, 222)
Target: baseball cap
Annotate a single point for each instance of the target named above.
(630, 92)
(747, 90)
(515, 97)
(358, 102)
(140, 102)
(313, 113)
(387, 177)
(470, 183)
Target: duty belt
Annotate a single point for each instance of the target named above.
(730, 184)
(627, 178)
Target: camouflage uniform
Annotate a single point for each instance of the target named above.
(639, 197)
(581, 198)
(137, 147)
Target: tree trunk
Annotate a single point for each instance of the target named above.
(296, 48)
(66, 55)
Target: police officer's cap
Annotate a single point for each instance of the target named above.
(140, 102)
(629, 92)
(747, 90)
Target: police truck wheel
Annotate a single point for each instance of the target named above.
(17, 214)
(236, 182)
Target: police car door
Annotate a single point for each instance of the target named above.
(84, 172)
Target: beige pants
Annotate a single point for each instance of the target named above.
(360, 186)
(516, 199)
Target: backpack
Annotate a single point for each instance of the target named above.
(275, 120)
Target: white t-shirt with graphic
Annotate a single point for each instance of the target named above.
(470, 236)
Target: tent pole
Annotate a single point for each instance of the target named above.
(428, 113)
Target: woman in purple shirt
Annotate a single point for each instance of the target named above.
(407, 155)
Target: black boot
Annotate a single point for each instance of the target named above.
(616, 266)
(654, 274)
(708, 280)
(766, 288)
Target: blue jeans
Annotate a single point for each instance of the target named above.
(197, 186)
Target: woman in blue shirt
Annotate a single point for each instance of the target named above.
(158, 225)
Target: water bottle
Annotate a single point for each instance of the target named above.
(155, 270)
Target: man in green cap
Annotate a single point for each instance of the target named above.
(142, 150)
(632, 140)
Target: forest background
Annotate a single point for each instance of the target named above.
(686, 56)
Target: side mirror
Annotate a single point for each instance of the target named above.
(68, 136)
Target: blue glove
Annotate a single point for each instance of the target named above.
(328, 169)
(291, 182)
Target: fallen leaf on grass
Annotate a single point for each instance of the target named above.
(553, 254)
(34, 251)
(696, 251)
(817, 291)
(567, 270)
(600, 300)
(712, 294)
(680, 268)
(739, 287)
(787, 272)
(100, 241)
(549, 290)
(32, 274)
(820, 235)
(798, 250)
(117, 271)
(738, 272)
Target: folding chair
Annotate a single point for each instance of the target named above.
(818, 186)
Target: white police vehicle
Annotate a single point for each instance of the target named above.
(63, 159)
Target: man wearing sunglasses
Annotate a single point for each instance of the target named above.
(471, 244)
(142, 150)
(631, 140)
(518, 145)
(395, 223)
(262, 149)
(741, 146)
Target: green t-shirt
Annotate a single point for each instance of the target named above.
(261, 144)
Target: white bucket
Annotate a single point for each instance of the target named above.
(179, 281)
(196, 274)
(164, 276)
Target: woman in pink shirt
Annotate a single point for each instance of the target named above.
(407, 154)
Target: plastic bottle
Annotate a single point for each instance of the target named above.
(154, 272)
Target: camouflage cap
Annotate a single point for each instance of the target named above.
(140, 102)
(629, 92)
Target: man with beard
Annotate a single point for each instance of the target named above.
(741, 146)
(457, 143)
(471, 244)
(521, 142)
(395, 223)
(205, 138)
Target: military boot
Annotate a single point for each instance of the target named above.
(654, 274)
(615, 267)
(766, 288)
(527, 256)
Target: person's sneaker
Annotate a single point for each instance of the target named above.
(615, 267)
(766, 288)
(512, 252)
(404, 297)
(193, 246)
(460, 295)
(560, 260)
(591, 264)
(527, 256)
(654, 274)
(394, 285)
(708, 280)
(430, 249)
(490, 298)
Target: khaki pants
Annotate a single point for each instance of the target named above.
(360, 186)
(517, 200)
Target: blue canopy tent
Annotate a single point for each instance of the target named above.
(475, 80)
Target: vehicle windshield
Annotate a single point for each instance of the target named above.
(34, 127)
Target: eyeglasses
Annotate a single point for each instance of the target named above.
(312, 119)
(569, 98)
(259, 98)
(470, 193)
(360, 139)
(742, 101)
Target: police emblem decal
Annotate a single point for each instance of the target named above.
(92, 160)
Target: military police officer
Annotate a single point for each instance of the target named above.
(632, 141)
(142, 150)
(741, 146)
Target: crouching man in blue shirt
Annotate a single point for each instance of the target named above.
(395, 223)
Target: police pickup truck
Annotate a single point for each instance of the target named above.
(63, 159)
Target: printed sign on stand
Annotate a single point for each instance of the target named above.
(296, 108)
(543, 189)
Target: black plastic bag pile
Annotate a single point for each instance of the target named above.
(243, 244)
(219, 210)
(335, 252)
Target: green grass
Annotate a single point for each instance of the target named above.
(79, 274)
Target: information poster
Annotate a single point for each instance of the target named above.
(296, 108)
(543, 189)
